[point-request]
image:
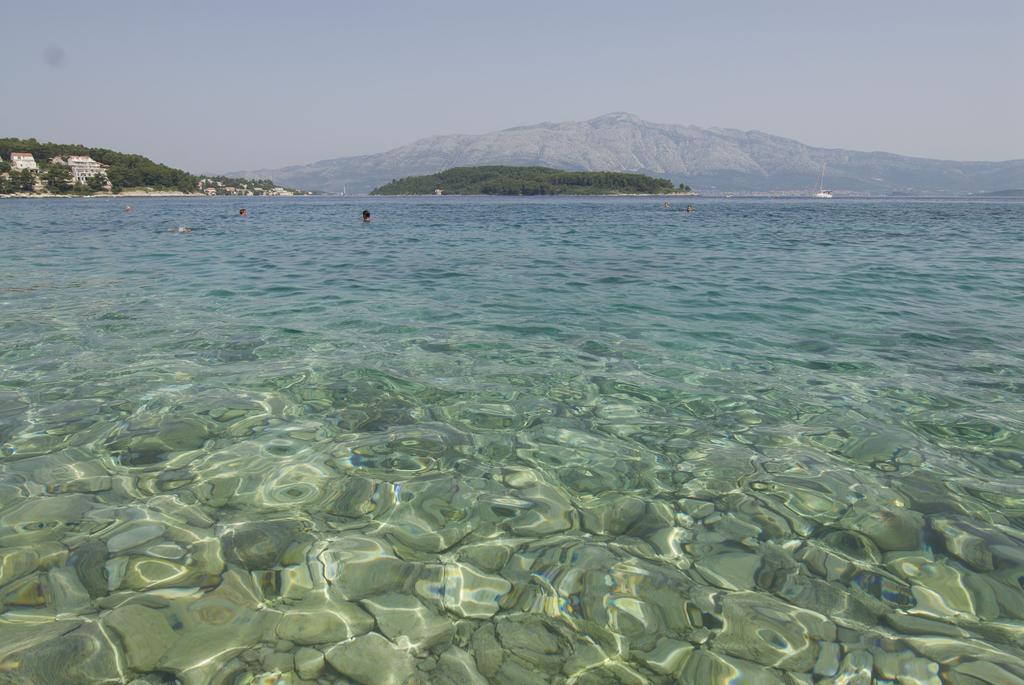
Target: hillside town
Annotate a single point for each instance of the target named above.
(82, 175)
(23, 173)
(236, 186)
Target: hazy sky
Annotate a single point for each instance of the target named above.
(231, 85)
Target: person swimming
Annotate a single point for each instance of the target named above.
(689, 208)
(127, 209)
(243, 212)
(366, 215)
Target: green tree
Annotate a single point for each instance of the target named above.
(58, 178)
(22, 181)
(96, 182)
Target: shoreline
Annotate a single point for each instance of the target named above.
(132, 193)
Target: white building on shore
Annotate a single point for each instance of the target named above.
(82, 168)
(23, 160)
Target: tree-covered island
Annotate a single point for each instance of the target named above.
(529, 180)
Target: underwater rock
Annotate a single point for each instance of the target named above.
(68, 596)
(966, 542)
(730, 570)
(135, 536)
(361, 566)
(696, 508)
(16, 562)
(892, 529)
(280, 663)
(703, 666)
(828, 659)
(272, 677)
(766, 631)
(372, 660)
(612, 514)
(431, 513)
(853, 544)
(916, 625)
(145, 573)
(296, 582)
(456, 667)
(263, 544)
(30, 591)
(536, 643)
(214, 628)
(309, 663)
(982, 673)
(323, 623)
(611, 673)
(855, 669)
(527, 648)
(919, 671)
(355, 498)
(403, 617)
(83, 655)
(550, 512)
(89, 561)
(472, 594)
(491, 555)
(937, 587)
(667, 656)
(150, 441)
(144, 633)
(165, 550)
(42, 519)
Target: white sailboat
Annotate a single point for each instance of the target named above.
(822, 194)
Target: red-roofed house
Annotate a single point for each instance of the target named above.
(23, 160)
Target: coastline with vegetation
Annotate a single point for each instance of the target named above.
(29, 168)
(528, 181)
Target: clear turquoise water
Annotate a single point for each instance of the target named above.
(512, 441)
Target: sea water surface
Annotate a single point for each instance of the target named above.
(511, 441)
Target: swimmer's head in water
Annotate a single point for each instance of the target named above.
(366, 215)
(243, 212)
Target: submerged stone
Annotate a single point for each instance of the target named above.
(309, 663)
(360, 566)
(372, 660)
(68, 596)
(16, 562)
(42, 518)
(324, 624)
(766, 631)
(89, 561)
(144, 633)
(730, 570)
(135, 536)
(83, 655)
(472, 594)
(456, 667)
(667, 656)
(402, 617)
(703, 666)
(890, 528)
(262, 545)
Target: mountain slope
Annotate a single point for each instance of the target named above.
(705, 159)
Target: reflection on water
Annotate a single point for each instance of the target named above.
(512, 442)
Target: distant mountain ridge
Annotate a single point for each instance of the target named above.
(708, 160)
